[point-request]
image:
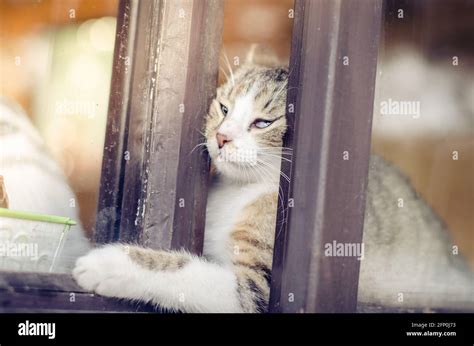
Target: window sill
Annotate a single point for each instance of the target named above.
(41, 292)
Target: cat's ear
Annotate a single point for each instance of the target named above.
(261, 55)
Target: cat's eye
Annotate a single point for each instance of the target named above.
(224, 109)
(261, 123)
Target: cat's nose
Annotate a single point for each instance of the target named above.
(221, 140)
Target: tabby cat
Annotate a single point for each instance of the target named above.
(406, 250)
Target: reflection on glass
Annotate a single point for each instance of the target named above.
(423, 127)
(57, 62)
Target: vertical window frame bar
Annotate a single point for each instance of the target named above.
(152, 198)
(325, 199)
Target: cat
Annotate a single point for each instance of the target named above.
(244, 133)
(34, 182)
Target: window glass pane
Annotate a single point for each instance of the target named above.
(56, 63)
(419, 240)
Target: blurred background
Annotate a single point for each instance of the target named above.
(56, 58)
(56, 61)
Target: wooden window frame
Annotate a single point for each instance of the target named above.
(154, 186)
(325, 199)
(145, 151)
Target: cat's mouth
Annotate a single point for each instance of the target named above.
(246, 165)
(238, 157)
(246, 168)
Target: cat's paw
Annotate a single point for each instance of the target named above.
(107, 271)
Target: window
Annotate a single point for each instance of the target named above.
(153, 185)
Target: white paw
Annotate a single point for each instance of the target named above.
(107, 271)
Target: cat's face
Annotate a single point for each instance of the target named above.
(246, 123)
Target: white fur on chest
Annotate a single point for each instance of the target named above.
(225, 204)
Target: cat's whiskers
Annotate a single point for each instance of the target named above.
(277, 155)
(271, 155)
(278, 93)
(280, 198)
(229, 67)
(254, 173)
(267, 177)
(283, 150)
(264, 163)
(262, 171)
(279, 148)
(247, 175)
(225, 73)
(199, 145)
(201, 133)
(280, 190)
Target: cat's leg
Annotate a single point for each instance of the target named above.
(173, 280)
(178, 280)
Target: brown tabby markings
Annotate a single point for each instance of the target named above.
(252, 246)
(157, 260)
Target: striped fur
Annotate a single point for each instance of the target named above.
(252, 240)
(158, 260)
